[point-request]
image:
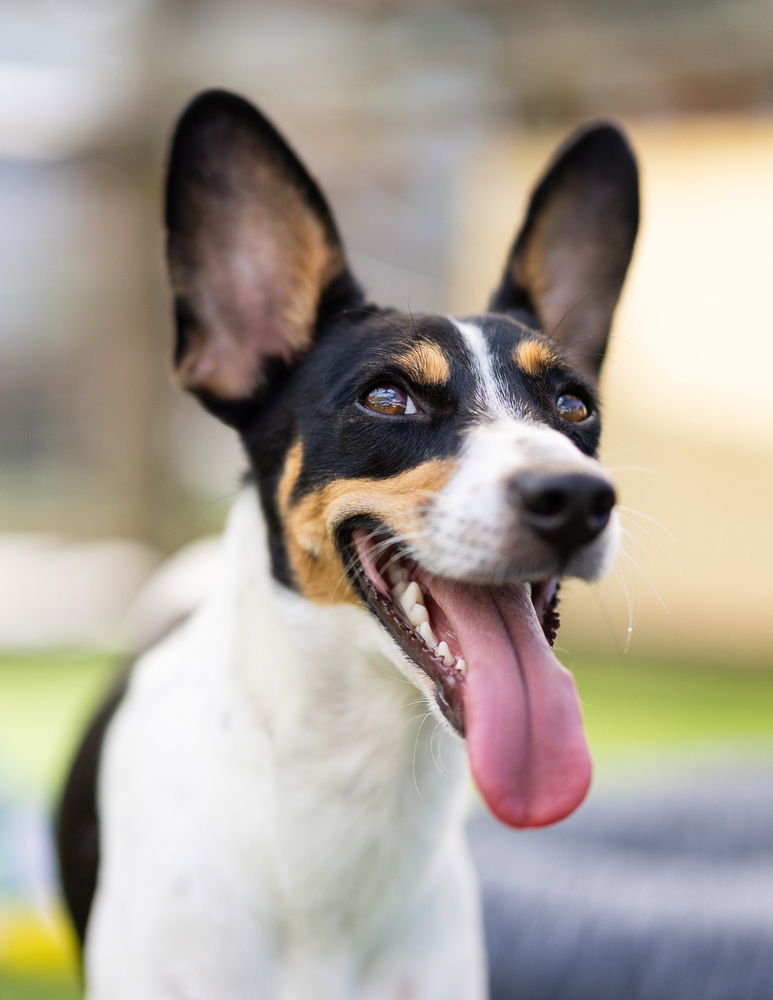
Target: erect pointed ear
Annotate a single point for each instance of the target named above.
(253, 250)
(568, 263)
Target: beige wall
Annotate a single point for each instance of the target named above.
(688, 385)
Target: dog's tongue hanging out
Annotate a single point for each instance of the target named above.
(525, 734)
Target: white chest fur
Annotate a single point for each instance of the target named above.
(280, 816)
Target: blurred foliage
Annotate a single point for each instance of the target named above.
(45, 700)
(16, 988)
(637, 708)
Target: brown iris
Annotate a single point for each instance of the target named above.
(571, 408)
(389, 399)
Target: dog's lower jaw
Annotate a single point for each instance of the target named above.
(306, 812)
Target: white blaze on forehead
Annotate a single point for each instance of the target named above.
(513, 442)
(490, 390)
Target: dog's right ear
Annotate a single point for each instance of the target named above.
(253, 252)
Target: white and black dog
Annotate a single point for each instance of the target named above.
(260, 811)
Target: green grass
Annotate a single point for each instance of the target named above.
(635, 709)
(632, 706)
(44, 702)
(17, 988)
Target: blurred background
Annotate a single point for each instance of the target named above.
(426, 123)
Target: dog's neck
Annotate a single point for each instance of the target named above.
(340, 729)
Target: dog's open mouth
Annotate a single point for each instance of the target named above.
(488, 652)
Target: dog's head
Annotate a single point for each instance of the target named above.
(439, 472)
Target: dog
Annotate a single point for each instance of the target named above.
(261, 811)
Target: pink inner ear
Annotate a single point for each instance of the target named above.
(255, 291)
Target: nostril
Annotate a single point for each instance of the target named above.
(547, 503)
(602, 502)
(567, 510)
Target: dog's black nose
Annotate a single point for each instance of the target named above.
(565, 509)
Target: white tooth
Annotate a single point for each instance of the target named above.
(399, 589)
(528, 588)
(411, 596)
(461, 666)
(418, 615)
(445, 653)
(427, 634)
(396, 573)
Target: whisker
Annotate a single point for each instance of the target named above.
(438, 728)
(632, 614)
(628, 526)
(647, 517)
(415, 751)
(636, 565)
(372, 312)
(418, 715)
(597, 597)
(400, 680)
(554, 332)
(222, 498)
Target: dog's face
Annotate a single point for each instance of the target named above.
(439, 472)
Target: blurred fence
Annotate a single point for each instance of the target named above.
(426, 123)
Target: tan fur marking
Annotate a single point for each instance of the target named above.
(533, 356)
(256, 284)
(289, 477)
(310, 524)
(425, 363)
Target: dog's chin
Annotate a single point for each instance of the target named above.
(408, 600)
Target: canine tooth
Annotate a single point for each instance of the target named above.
(461, 666)
(411, 596)
(399, 589)
(418, 616)
(528, 588)
(444, 652)
(427, 634)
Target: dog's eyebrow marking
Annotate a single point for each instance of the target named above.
(425, 363)
(490, 393)
(534, 356)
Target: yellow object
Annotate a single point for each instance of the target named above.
(36, 942)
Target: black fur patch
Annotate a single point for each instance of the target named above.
(319, 404)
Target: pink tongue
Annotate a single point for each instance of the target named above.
(525, 733)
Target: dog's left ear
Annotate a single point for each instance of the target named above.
(253, 251)
(568, 263)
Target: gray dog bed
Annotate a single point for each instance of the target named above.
(657, 893)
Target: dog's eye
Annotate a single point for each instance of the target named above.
(389, 399)
(572, 408)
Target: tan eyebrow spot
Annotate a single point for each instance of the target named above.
(311, 523)
(534, 356)
(425, 363)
